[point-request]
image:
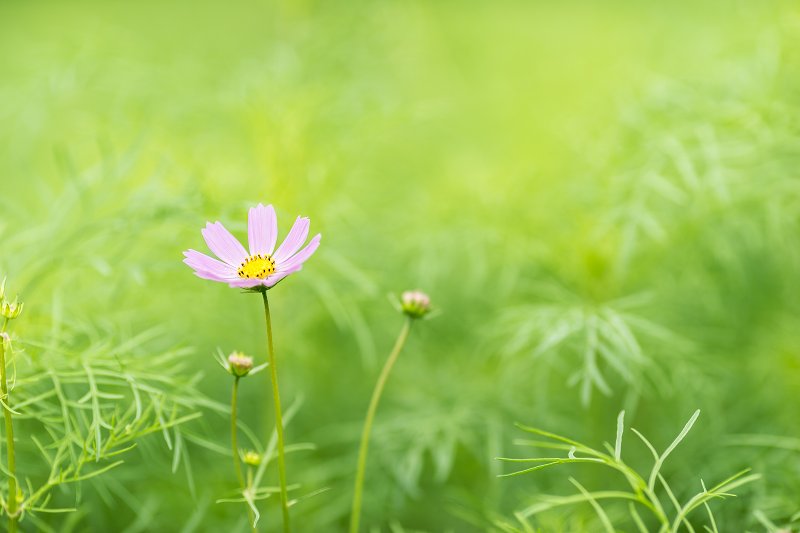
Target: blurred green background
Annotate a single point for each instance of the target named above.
(546, 171)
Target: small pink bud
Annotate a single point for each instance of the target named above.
(415, 304)
(239, 364)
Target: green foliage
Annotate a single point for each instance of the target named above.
(82, 403)
(645, 492)
(601, 199)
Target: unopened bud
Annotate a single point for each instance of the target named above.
(239, 364)
(415, 304)
(11, 310)
(251, 458)
(8, 309)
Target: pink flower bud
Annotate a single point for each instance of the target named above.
(415, 304)
(239, 364)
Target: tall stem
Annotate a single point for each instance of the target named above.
(237, 461)
(355, 515)
(276, 397)
(12, 462)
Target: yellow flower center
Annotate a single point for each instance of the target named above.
(257, 266)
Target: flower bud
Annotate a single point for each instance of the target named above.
(239, 365)
(415, 304)
(8, 309)
(251, 458)
(11, 310)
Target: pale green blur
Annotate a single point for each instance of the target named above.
(549, 172)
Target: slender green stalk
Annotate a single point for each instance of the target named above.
(237, 461)
(12, 462)
(355, 515)
(273, 370)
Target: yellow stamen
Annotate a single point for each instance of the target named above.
(257, 266)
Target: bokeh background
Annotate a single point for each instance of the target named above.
(602, 199)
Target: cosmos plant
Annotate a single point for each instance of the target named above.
(413, 304)
(239, 366)
(264, 266)
(258, 270)
(652, 501)
(9, 311)
(83, 406)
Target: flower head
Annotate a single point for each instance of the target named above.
(239, 364)
(415, 304)
(263, 266)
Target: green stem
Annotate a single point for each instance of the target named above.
(237, 461)
(12, 462)
(273, 370)
(355, 515)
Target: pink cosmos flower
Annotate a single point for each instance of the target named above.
(263, 266)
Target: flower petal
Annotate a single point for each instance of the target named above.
(223, 244)
(294, 240)
(262, 229)
(210, 276)
(246, 283)
(275, 278)
(300, 257)
(202, 263)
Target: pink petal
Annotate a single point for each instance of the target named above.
(210, 276)
(301, 256)
(246, 283)
(294, 240)
(275, 278)
(223, 244)
(203, 263)
(262, 229)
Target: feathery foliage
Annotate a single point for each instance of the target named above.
(601, 198)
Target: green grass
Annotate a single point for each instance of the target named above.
(601, 198)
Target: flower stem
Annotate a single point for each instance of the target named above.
(12, 462)
(355, 515)
(237, 462)
(273, 370)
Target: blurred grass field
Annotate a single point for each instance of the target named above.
(546, 171)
